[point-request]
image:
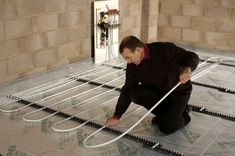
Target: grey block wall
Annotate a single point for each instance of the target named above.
(39, 35)
(208, 24)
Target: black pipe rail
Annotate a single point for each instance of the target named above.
(195, 108)
(153, 145)
(224, 64)
(201, 109)
(219, 88)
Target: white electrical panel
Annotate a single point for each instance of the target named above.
(106, 27)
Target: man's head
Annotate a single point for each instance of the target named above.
(132, 50)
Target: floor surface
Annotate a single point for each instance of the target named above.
(205, 135)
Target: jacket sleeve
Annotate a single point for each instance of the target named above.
(182, 57)
(124, 98)
(176, 59)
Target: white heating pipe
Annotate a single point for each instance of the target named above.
(46, 86)
(17, 109)
(38, 120)
(120, 136)
(95, 118)
(74, 128)
(83, 111)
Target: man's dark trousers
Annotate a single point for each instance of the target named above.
(171, 113)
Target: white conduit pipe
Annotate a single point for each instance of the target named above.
(80, 73)
(41, 87)
(84, 71)
(125, 116)
(74, 128)
(200, 72)
(38, 92)
(17, 109)
(95, 118)
(85, 110)
(203, 70)
(10, 101)
(46, 117)
(211, 58)
(45, 85)
(38, 120)
(5, 100)
(120, 136)
(70, 81)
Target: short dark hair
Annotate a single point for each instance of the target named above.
(130, 42)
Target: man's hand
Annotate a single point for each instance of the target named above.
(111, 121)
(185, 75)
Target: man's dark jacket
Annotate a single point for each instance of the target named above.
(161, 71)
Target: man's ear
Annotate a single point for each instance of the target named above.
(138, 49)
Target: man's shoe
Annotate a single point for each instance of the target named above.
(187, 118)
(154, 120)
(188, 109)
(186, 115)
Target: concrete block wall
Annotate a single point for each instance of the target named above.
(208, 24)
(139, 18)
(130, 17)
(39, 35)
